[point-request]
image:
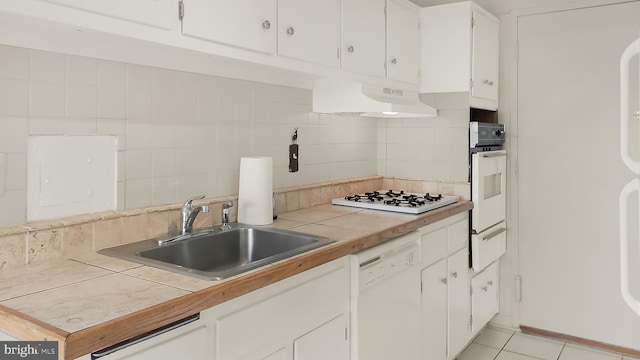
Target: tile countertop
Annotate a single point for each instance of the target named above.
(87, 302)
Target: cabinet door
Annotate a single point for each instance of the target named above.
(363, 33)
(328, 341)
(291, 309)
(162, 14)
(309, 30)
(484, 297)
(403, 42)
(484, 62)
(249, 24)
(434, 311)
(459, 312)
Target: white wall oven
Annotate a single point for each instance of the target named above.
(487, 175)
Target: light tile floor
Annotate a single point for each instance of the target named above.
(500, 344)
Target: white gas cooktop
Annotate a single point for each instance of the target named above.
(396, 201)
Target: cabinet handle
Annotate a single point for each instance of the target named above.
(266, 25)
(444, 280)
(488, 82)
(351, 49)
(485, 289)
(454, 274)
(394, 61)
(492, 235)
(490, 282)
(290, 31)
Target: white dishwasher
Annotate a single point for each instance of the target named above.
(385, 300)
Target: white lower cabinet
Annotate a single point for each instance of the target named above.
(484, 296)
(303, 318)
(446, 308)
(328, 341)
(458, 299)
(434, 311)
(190, 341)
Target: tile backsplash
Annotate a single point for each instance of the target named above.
(181, 134)
(64, 237)
(428, 148)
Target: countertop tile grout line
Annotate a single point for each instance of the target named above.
(57, 287)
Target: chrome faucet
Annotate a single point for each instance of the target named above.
(225, 215)
(189, 214)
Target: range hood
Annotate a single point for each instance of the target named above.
(337, 96)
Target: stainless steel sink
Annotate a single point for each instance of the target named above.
(218, 254)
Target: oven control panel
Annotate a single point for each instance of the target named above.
(485, 134)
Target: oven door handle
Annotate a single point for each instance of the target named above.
(495, 155)
(491, 236)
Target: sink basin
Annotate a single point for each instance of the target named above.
(217, 254)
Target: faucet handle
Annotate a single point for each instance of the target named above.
(189, 200)
(227, 205)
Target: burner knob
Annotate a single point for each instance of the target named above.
(499, 132)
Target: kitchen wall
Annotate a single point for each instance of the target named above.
(428, 148)
(181, 134)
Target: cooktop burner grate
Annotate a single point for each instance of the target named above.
(397, 201)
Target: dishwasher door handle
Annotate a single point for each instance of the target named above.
(146, 336)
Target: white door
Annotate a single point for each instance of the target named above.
(309, 30)
(484, 53)
(249, 24)
(571, 174)
(363, 28)
(434, 311)
(459, 312)
(403, 42)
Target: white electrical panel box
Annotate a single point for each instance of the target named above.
(70, 175)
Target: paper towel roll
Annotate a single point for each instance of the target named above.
(255, 191)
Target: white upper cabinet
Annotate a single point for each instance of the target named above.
(248, 24)
(373, 41)
(459, 52)
(484, 56)
(309, 30)
(156, 13)
(363, 33)
(403, 42)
